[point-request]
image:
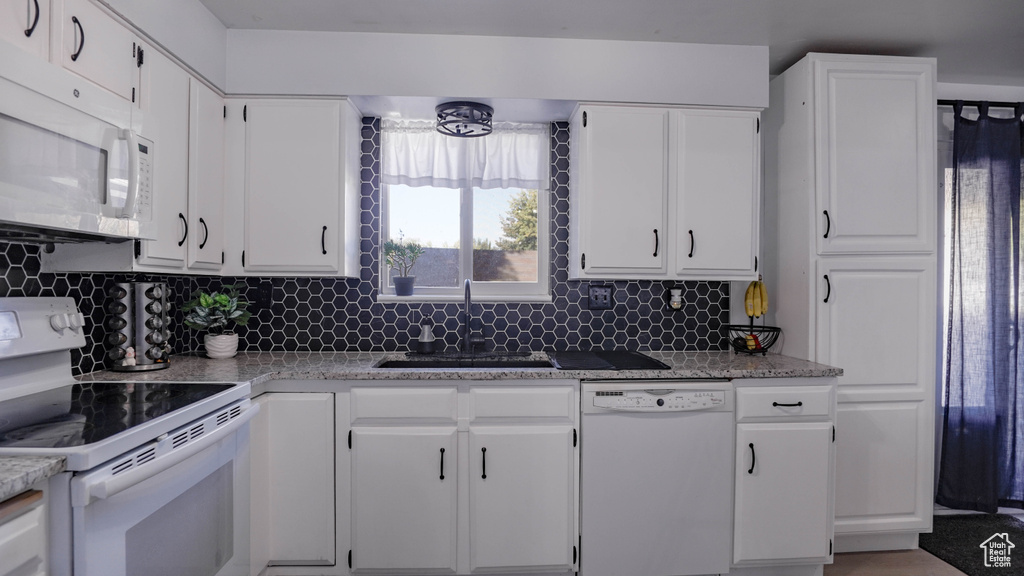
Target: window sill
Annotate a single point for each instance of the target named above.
(477, 298)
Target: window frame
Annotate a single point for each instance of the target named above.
(539, 291)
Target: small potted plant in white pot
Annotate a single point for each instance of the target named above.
(216, 313)
(401, 257)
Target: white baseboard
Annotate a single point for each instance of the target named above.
(876, 542)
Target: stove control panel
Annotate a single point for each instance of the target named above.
(659, 400)
(34, 325)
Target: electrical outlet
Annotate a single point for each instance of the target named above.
(600, 297)
(264, 294)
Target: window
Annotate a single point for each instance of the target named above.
(479, 207)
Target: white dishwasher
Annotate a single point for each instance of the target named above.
(656, 469)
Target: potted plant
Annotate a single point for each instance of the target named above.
(401, 257)
(217, 312)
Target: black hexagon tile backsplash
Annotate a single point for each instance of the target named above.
(328, 314)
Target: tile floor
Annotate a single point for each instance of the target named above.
(901, 562)
(897, 563)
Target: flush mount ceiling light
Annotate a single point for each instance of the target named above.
(464, 119)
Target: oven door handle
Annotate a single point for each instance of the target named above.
(90, 487)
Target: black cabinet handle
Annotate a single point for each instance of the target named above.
(656, 242)
(81, 31)
(828, 286)
(583, 261)
(828, 223)
(206, 234)
(185, 222)
(32, 27)
(323, 240)
(483, 460)
(691, 244)
(442, 463)
(753, 458)
(794, 405)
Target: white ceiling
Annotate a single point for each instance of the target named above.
(976, 41)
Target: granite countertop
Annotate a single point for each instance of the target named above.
(259, 367)
(19, 473)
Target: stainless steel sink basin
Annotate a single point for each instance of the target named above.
(507, 360)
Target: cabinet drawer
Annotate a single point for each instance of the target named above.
(435, 404)
(554, 402)
(783, 402)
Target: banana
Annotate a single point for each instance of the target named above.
(757, 298)
(748, 300)
(764, 297)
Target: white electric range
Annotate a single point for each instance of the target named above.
(157, 478)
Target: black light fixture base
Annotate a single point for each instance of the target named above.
(464, 119)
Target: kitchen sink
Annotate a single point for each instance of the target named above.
(490, 360)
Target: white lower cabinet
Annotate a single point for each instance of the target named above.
(784, 473)
(520, 497)
(23, 539)
(292, 481)
(464, 480)
(404, 499)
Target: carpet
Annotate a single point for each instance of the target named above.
(968, 541)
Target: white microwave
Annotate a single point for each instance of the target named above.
(71, 166)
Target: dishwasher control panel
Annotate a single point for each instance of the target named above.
(659, 400)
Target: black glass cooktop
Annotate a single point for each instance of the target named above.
(88, 412)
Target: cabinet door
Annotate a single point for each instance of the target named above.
(99, 48)
(876, 320)
(292, 185)
(717, 192)
(165, 105)
(26, 24)
(884, 466)
(875, 156)
(521, 498)
(206, 178)
(782, 491)
(404, 499)
(620, 191)
(293, 480)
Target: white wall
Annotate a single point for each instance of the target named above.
(184, 28)
(951, 91)
(353, 64)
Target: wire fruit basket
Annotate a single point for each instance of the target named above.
(751, 339)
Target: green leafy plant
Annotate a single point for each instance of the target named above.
(215, 312)
(401, 256)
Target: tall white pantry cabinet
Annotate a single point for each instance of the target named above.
(850, 177)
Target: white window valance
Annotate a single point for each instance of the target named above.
(514, 155)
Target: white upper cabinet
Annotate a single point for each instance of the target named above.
(94, 45)
(619, 187)
(26, 24)
(206, 178)
(165, 105)
(875, 158)
(301, 186)
(717, 192)
(664, 193)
